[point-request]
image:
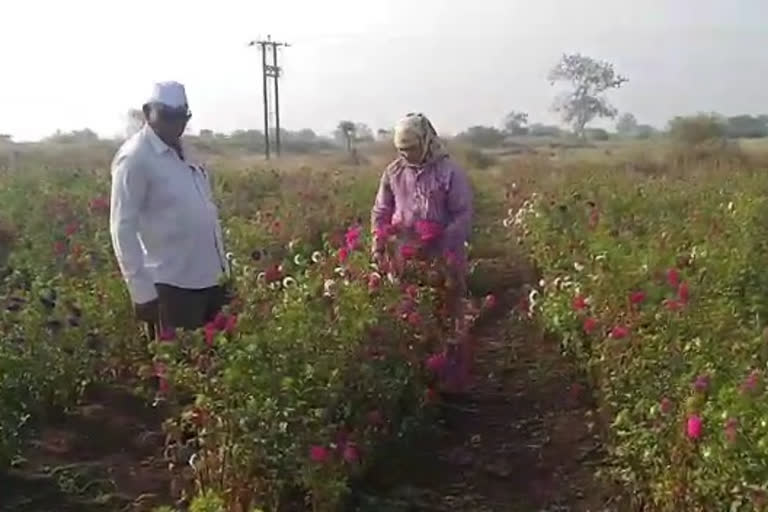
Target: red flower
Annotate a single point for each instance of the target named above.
(490, 301)
(673, 305)
(374, 280)
(231, 324)
(408, 252)
(167, 334)
(273, 274)
(351, 454)
(412, 291)
(637, 297)
(210, 332)
(220, 322)
(619, 332)
(673, 277)
(414, 319)
(71, 228)
(343, 255)
(579, 303)
(436, 362)
(428, 231)
(352, 237)
(318, 454)
(59, 248)
(684, 293)
(590, 325)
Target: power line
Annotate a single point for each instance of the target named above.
(272, 71)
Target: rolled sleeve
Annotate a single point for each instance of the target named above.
(129, 189)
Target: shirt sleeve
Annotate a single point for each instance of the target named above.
(460, 208)
(383, 208)
(129, 190)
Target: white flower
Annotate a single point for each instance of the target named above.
(542, 283)
(297, 260)
(261, 276)
(329, 287)
(730, 206)
(507, 222)
(289, 282)
(275, 285)
(578, 266)
(291, 245)
(340, 271)
(230, 256)
(317, 257)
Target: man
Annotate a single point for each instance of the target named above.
(164, 224)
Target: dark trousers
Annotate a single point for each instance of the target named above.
(181, 308)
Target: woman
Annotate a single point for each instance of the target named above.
(426, 199)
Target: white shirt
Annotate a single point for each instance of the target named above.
(164, 223)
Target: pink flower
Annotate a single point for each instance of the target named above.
(428, 230)
(210, 332)
(619, 332)
(694, 427)
(637, 297)
(579, 303)
(352, 237)
(436, 362)
(318, 454)
(343, 254)
(674, 305)
(231, 324)
(412, 291)
(731, 429)
(374, 280)
(751, 383)
(408, 252)
(490, 301)
(701, 384)
(673, 277)
(594, 218)
(590, 325)
(683, 293)
(665, 405)
(414, 318)
(167, 334)
(220, 321)
(351, 454)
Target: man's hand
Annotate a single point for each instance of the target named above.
(148, 312)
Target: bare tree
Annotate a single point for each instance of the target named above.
(589, 79)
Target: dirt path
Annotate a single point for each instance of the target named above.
(522, 440)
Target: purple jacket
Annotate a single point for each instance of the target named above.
(438, 191)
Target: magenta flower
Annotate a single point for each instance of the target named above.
(352, 237)
(414, 319)
(490, 301)
(673, 277)
(318, 454)
(210, 331)
(428, 231)
(701, 384)
(693, 427)
(343, 255)
(579, 303)
(408, 252)
(619, 332)
(231, 324)
(351, 454)
(751, 383)
(684, 293)
(637, 297)
(436, 362)
(590, 325)
(220, 321)
(167, 334)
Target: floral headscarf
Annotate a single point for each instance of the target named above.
(416, 129)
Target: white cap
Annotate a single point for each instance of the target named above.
(170, 94)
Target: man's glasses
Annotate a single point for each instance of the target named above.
(173, 114)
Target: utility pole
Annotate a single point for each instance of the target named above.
(270, 71)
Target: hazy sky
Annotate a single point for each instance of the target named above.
(82, 63)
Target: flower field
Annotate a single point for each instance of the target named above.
(654, 286)
(658, 288)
